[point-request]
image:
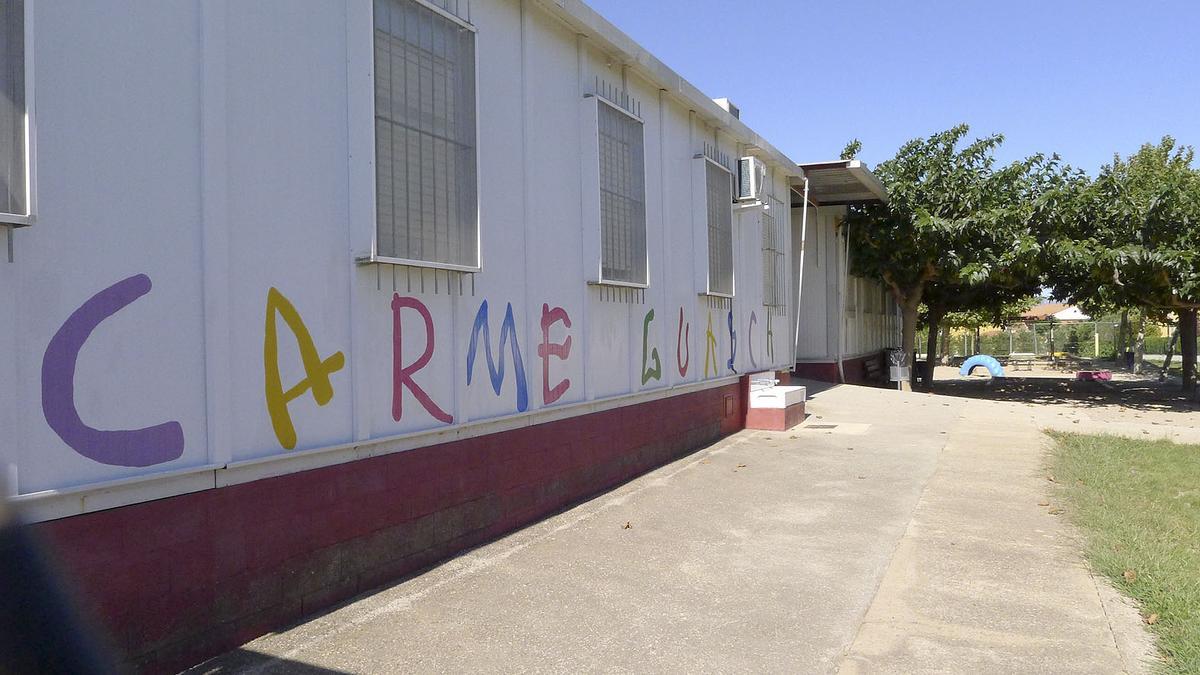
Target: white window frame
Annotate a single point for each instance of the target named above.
(592, 219)
(700, 165)
(374, 256)
(27, 218)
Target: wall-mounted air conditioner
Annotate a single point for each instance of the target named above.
(752, 175)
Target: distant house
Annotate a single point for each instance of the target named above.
(1056, 311)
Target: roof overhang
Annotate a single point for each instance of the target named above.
(587, 23)
(845, 181)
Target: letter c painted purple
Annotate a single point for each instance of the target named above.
(136, 447)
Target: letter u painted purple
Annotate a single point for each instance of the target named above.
(136, 447)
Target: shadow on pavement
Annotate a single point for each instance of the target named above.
(247, 660)
(1135, 394)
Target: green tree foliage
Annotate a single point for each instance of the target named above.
(851, 150)
(1132, 239)
(957, 233)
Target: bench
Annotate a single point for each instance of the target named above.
(1020, 361)
(873, 370)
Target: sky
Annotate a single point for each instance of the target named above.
(1081, 78)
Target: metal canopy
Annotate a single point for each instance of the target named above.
(842, 182)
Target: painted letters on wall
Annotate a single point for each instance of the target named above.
(402, 375)
(710, 348)
(654, 373)
(136, 447)
(750, 339)
(508, 335)
(682, 343)
(560, 350)
(732, 342)
(316, 369)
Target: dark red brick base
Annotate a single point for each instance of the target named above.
(822, 372)
(855, 370)
(182, 579)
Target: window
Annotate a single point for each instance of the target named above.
(622, 196)
(426, 164)
(718, 182)
(774, 272)
(15, 192)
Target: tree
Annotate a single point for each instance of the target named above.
(1133, 240)
(952, 221)
(972, 307)
(851, 150)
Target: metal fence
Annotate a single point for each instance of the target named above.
(1086, 340)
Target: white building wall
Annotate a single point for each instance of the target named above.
(863, 322)
(221, 149)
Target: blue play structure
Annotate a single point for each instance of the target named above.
(993, 366)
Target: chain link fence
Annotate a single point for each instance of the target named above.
(1089, 340)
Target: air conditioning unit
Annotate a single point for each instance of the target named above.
(752, 175)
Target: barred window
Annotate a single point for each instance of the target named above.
(622, 196)
(426, 164)
(14, 155)
(719, 199)
(774, 261)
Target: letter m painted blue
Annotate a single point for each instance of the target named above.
(508, 334)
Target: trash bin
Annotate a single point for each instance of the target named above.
(898, 365)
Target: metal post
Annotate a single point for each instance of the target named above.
(800, 281)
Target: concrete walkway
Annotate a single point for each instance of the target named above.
(891, 533)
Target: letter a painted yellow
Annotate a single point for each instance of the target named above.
(316, 370)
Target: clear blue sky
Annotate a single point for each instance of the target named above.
(1077, 77)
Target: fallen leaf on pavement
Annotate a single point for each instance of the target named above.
(628, 525)
(741, 466)
(1055, 511)
(1044, 503)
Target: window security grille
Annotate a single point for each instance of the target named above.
(14, 176)
(719, 198)
(622, 196)
(426, 168)
(774, 262)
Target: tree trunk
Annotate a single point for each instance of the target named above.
(1187, 350)
(978, 346)
(1122, 345)
(908, 333)
(1166, 369)
(1139, 346)
(931, 352)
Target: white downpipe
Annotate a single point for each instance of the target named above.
(800, 280)
(844, 281)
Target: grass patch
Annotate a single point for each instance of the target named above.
(1138, 502)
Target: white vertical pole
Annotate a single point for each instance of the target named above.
(800, 280)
